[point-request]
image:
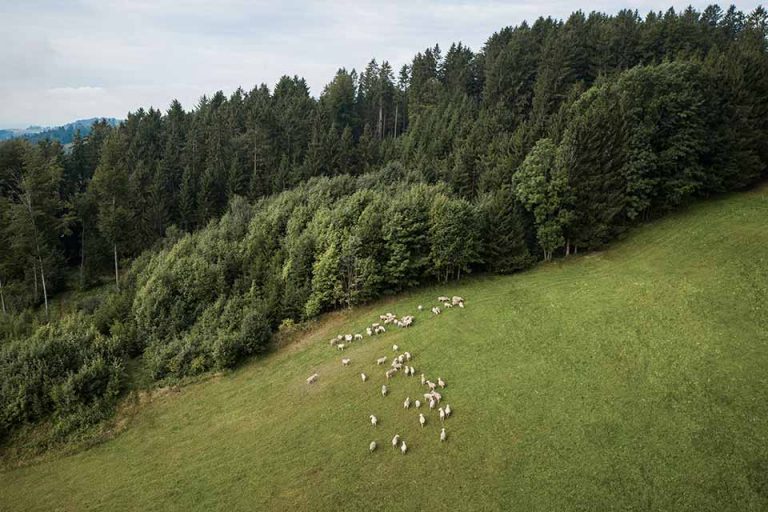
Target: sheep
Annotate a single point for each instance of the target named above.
(358, 336)
(380, 329)
(422, 420)
(423, 379)
(374, 420)
(441, 383)
(375, 325)
(417, 404)
(363, 377)
(436, 310)
(447, 305)
(369, 331)
(395, 348)
(312, 378)
(334, 341)
(339, 337)
(431, 385)
(461, 305)
(413, 371)
(395, 441)
(432, 403)
(407, 403)
(403, 448)
(348, 338)
(388, 374)
(436, 396)
(341, 346)
(447, 410)
(372, 446)
(396, 365)
(401, 359)
(443, 435)
(383, 390)
(420, 307)
(407, 356)
(442, 414)
(345, 361)
(443, 299)
(427, 396)
(381, 361)
(455, 300)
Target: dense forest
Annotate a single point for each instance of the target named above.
(250, 212)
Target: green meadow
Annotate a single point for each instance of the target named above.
(635, 378)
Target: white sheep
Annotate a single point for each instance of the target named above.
(443, 435)
(455, 300)
(423, 379)
(341, 346)
(407, 403)
(447, 305)
(358, 336)
(461, 305)
(413, 371)
(374, 420)
(347, 338)
(334, 341)
(380, 329)
(372, 446)
(375, 325)
(339, 337)
(312, 378)
(447, 410)
(369, 331)
(441, 383)
(442, 414)
(436, 396)
(389, 374)
(443, 299)
(403, 448)
(381, 360)
(420, 307)
(395, 348)
(363, 377)
(436, 310)
(407, 356)
(432, 403)
(401, 359)
(383, 390)
(422, 420)
(395, 441)
(431, 385)
(345, 361)
(417, 404)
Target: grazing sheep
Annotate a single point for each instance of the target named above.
(436, 310)
(456, 300)
(312, 378)
(401, 359)
(420, 307)
(339, 337)
(422, 420)
(407, 356)
(347, 338)
(334, 341)
(369, 331)
(374, 420)
(431, 385)
(395, 441)
(388, 374)
(442, 414)
(447, 410)
(427, 396)
(341, 346)
(396, 365)
(381, 361)
(403, 448)
(364, 377)
(375, 325)
(441, 383)
(383, 390)
(345, 362)
(461, 305)
(407, 403)
(372, 446)
(423, 379)
(395, 348)
(358, 336)
(447, 305)
(443, 435)
(443, 299)
(413, 371)
(417, 404)
(380, 329)
(432, 403)
(436, 396)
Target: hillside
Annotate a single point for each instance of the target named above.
(632, 378)
(64, 133)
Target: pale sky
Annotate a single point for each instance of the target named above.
(63, 60)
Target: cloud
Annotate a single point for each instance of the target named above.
(63, 60)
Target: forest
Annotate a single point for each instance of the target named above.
(215, 227)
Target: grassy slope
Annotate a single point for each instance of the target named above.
(633, 378)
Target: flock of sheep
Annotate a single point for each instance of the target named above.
(401, 363)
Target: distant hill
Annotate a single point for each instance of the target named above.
(64, 133)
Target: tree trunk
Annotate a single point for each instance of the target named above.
(567, 247)
(396, 109)
(381, 113)
(2, 299)
(45, 292)
(117, 275)
(34, 273)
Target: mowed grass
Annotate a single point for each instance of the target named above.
(630, 379)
